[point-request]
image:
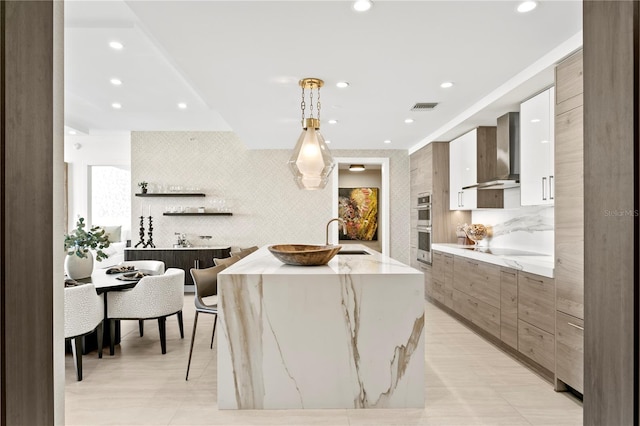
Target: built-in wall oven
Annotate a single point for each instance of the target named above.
(424, 209)
(424, 244)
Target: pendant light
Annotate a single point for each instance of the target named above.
(311, 161)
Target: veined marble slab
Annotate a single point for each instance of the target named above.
(349, 334)
(541, 264)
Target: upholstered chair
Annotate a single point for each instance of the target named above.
(244, 252)
(154, 267)
(83, 313)
(154, 297)
(227, 261)
(206, 282)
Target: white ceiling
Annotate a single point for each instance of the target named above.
(237, 64)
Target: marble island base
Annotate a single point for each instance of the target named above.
(349, 334)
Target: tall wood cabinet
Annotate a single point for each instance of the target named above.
(569, 223)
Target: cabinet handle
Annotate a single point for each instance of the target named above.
(551, 191)
(575, 326)
(544, 187)
(459, 199)
(533, 279)
(462, 199)
(196, 264)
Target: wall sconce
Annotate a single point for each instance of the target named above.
(311, 162)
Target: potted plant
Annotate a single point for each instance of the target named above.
(79, 261)
(143, 186)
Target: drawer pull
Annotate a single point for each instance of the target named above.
(533, 279)
(575, 325)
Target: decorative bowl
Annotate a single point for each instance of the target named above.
(476, 232)
(304, 255)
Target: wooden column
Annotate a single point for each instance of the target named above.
(26, 212)
(611, 207)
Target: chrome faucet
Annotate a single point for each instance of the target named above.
(182, 240)
(344, 228)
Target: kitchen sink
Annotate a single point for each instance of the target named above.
(353, 252)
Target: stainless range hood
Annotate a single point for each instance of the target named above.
(504, 169)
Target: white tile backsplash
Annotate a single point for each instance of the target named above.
(525, 228)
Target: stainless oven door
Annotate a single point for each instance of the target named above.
(424, 245)
(424, 216)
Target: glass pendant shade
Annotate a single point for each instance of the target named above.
(311, 161)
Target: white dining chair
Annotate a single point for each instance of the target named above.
(83, 313)
(154, 267)
(153, 297)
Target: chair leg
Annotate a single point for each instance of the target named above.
(100, 331)
(180, 325)
(162, 327)
(141, 327)
(193, 337)
(215, 321)
(112, 336)
(76, 348)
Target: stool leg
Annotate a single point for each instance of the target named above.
(141, 327)
(215, 321)
(112, 336)
(193, 337)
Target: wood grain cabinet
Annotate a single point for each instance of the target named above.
(570, 350)
(536, 318)
(476, 293)
(569, 223)
(184, 259)
(509, 307)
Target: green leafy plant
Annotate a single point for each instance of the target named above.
(80, 240)
(143, 185)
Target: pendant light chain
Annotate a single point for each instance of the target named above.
(318, 105)
(311, 101)
(303, 105)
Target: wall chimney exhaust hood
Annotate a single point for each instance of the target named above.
(499, 168)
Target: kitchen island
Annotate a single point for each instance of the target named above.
(349, 334)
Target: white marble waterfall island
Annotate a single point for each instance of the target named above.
(349, 334)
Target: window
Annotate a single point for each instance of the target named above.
(110, 196)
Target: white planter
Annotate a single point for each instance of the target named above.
(78, 267)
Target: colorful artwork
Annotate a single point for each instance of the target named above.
(358, 207)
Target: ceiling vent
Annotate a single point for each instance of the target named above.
(424, 106)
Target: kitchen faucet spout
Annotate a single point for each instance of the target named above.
(344, 228)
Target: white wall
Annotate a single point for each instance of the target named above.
(267, 206)
(80, 152)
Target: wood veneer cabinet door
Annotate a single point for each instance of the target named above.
(569, 213)
(536, 301)
(476, 311)
(509, 307)
(536, 344)
(570, 350)
(478, 279)
(569, 81)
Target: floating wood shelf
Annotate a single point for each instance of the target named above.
(171, 194)
(199, 214)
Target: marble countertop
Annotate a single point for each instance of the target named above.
(262, 262)
(535, 263)
(181, 248)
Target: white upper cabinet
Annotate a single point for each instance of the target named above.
(536, 149)
(463, 171)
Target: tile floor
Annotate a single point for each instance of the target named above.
(468, 382)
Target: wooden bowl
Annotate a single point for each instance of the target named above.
(304, 255)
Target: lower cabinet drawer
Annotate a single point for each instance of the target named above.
(537, 301)
(509, 308)
(438, 291)
(536, 344)
(570, 350)
(479, 313)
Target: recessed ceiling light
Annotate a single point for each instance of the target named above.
(535, 120)
(409, 120)
(362, 5)
(446, 84)
(357, 168)
(342, 84)
(544, 141)
(527, 6)
(387, 141)
(116, 81)
(116, 105)
(73, 132)
(327, 141)
(332, 121)
(116, 45)
(182, 105)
